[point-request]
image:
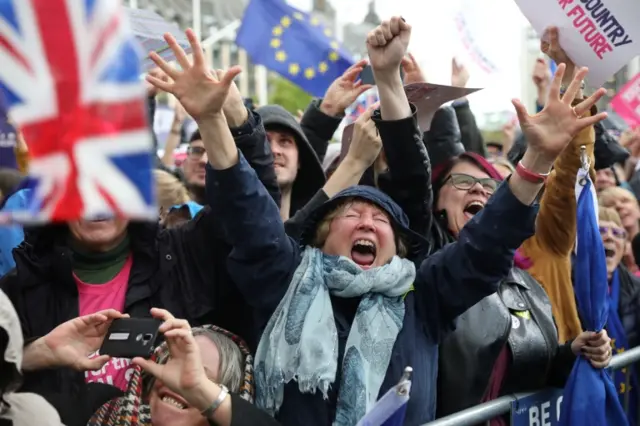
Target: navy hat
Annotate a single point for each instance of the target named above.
(416, 243)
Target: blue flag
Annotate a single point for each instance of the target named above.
(590, 398)
(293, 44)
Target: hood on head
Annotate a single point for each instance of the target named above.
(443, 140)
(416, 243)
(310, 175)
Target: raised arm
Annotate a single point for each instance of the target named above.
(462, 273)
(262, 257)
(409, 168)
(556, 226)
(323, 116)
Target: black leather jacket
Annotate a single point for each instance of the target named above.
(519, 315)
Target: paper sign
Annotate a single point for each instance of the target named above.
(600, 34)
(427, 98)
(148, 28)
(627, 102)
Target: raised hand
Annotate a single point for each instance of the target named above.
(412, 71)
(344, 90)
(541, 74)
(550, 46)
(551, 130)
(150, 88)
(197, 88)
(365, 143)
(70, 343)
(459, 74)
(183, 372)
(387, 44)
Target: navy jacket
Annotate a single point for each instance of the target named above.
(263, 260)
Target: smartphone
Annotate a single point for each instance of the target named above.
(132, 337)
(367, 75)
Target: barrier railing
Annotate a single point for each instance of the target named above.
(483, 412)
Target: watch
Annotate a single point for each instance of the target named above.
(530, 176)
(208, 412)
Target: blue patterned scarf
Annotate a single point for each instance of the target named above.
(300, 341)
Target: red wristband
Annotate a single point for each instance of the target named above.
(530, 176)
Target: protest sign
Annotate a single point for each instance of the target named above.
(540, 409)
(427, 98)
(600, 34)
(627, 102)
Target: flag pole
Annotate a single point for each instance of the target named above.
(197, 18)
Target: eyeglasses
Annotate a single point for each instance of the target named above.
(616, 232)
(465, 182)
(195, 151)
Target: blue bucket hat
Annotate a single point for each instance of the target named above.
(417, 245)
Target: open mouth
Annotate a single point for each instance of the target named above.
(473, 208)
(364, 252)
(609, 252)
(174, 402)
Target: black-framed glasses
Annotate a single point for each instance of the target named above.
(618, 233)
(195, 151)
(465, 182)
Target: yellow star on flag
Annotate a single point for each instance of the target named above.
(275, 43)
(309, 73)
(334, 45)
(315, 21)
(281, 56)
(323, 67)
(294, 69)
(333, 56)
(277, 31)
(299, 16)
(285, 21)
(327, 32)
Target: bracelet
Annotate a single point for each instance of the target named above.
(530, 176)
(208, 412)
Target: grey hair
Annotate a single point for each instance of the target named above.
(231, 368)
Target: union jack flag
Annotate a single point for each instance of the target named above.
(70, 79)
(364, 101)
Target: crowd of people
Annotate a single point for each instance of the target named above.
(293, 290)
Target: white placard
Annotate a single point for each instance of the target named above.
(603, 35)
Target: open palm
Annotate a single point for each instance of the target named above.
(197, 88)
(71, 342)
(551, 130)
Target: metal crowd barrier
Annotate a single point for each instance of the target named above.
(487, 411)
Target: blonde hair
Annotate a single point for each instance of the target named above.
(322, 231)
(609, 214)
(607, 196)
(501, 161)
(170, 190)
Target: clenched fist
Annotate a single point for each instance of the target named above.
(387, 45)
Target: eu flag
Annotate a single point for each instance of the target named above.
(293, 44)
(590, 397)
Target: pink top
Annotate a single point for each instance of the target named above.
(98, 297)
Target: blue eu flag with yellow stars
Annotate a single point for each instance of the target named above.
(293, 44)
